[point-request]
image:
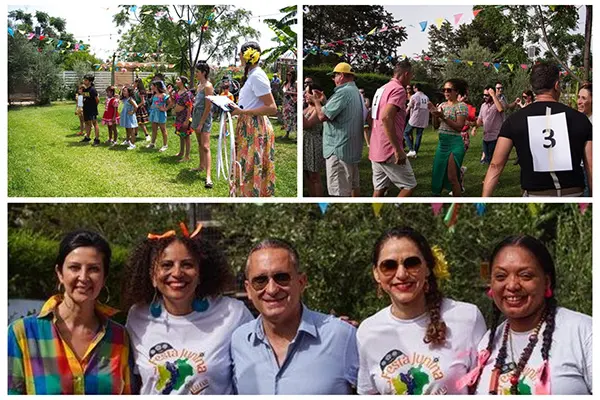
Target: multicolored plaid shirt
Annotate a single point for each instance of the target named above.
(41, 362)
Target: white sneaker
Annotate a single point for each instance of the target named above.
(131, 146)
(164, 148)
(148, 138)
(150, 146)
(125, 142)
(412, 154)
(113, 143)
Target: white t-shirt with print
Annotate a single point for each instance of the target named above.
(394, 359)
(186, 354)
(570, 357)
(257, 84)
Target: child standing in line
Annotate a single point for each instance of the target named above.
(183, 102)
(139, 95)
(79, 108)
(128, 117)
(90, 110)
(158, 113)
(110, 118)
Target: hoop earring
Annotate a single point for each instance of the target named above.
(155, 307)
(107, 294)
(58, 287)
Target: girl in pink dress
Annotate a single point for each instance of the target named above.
(111, 115)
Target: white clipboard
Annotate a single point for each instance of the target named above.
(221, 101)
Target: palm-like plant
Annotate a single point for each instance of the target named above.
(284, 35)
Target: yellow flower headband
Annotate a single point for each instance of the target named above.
(440, 269)
(252, 55)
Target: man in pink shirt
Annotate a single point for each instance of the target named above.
(491, 117)
(386, 150)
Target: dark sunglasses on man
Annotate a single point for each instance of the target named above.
(260, 282)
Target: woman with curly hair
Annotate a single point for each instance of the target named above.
(254, 168)
(423, 342)
(180, 325)
(449, 117)
(72, 346)
(530, 352)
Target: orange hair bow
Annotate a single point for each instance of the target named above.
(184, 231)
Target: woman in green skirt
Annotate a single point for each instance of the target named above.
(450, 118)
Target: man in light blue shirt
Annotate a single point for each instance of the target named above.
(289, 349)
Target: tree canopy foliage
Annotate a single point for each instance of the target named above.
(332, 24)
(183, 32)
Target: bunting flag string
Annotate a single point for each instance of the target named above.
(377, 209)
(452, 216)
(423, 26)
(436, 208)
(480, 207)
(323, 207)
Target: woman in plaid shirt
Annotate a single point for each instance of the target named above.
(72, 346)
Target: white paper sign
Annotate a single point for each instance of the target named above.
(549, 142)
(376, 100)
(422, 102)
(221, 101)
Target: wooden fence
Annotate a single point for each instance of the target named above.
(103, 78)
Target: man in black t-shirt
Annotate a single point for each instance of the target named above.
(90, 109)
(550, 138)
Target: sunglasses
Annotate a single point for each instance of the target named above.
(308, 82)
(486, 95)
(447, 90)
(389, 267)
(499, 88)
(260, 282)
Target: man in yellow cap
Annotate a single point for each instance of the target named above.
(343, 122)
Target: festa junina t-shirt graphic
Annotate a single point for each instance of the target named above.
(411, 374)
(174, 367)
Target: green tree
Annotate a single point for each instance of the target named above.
(477, 75)
(183, 32)
(369, 53)
(74, 57)
(285, 37)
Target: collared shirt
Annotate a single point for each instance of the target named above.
(41, 362)
(321, 359)
(492, 120)
(343, 132)
(381, 148)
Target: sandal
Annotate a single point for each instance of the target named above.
(208, 184)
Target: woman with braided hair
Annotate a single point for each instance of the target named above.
(254, 169)
(180, 325)
(530, 352)
(423, 342)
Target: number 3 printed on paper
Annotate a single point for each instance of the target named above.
(549, 143)
(550, 138)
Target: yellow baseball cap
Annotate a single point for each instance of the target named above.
(343, 68)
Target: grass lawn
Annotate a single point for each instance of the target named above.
(509, 185)
(46, 159)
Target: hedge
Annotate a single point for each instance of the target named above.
(370, 81)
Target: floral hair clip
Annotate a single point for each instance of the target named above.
(184, 232)
(252, 55)
(440, 270)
